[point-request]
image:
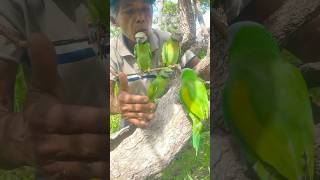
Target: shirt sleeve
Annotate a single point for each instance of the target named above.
(186, 57)
(8, 50)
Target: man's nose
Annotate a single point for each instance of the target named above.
(140, 18)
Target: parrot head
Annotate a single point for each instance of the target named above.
(189, 74)
(247, 39)
(141, 37)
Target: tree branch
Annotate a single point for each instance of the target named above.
(290, 17)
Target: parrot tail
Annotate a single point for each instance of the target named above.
(196, 132)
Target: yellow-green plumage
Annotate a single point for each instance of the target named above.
(267, 108)
(142, 52)
(157, 88)
(194, 97)
(170, 52)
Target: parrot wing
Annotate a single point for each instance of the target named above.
(195, 98)
(164, 54)
(260, 111)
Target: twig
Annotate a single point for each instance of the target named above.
(150, 70)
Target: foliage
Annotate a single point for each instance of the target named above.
(115, 123)
(114, 31)
(169, 19)
(99, 11)
(23, 173)
(205, 5)
(202, 54)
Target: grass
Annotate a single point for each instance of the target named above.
(189, 166)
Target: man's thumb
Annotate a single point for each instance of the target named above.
(44, 74)
(123, 80)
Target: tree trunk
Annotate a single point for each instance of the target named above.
(188, 23)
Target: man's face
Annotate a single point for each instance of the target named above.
(134, 16)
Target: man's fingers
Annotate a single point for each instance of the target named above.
(123, 80)
(126, 98)
(142, 116)
(150, 107)
(138, 122)
(86, 147)
(68, 119)
(43, 59)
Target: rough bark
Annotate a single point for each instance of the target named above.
(290, 17)
(146, 152)
(188, 23)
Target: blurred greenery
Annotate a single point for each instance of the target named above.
(114, 31)
(23, 173)
(114, 123)
(202, 54)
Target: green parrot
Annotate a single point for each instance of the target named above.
(159, 85)
(266, 106)
(194, 97)
(142, 52)
(170, 52)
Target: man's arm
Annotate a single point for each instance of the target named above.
(193, 63)
(14, 148)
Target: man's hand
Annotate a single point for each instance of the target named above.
(69, 142)
(134, 108)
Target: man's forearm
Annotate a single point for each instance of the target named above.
(15, 149)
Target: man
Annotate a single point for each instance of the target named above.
(132, 102)
(62, 129)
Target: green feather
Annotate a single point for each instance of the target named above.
(194, 98)
(266, 105)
